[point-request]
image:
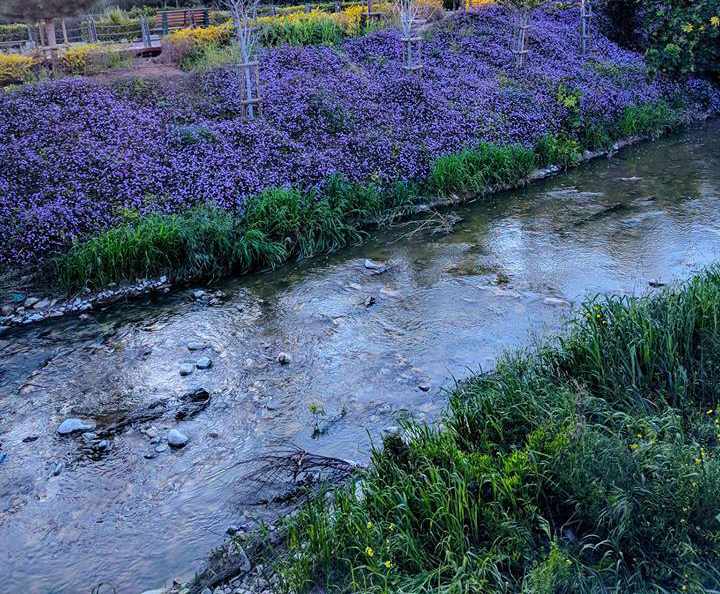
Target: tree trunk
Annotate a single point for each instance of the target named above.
(50, 36)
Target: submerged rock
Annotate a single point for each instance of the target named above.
(376, 267)
(204, 363)
(284, 359)
(177, 439)
(196, 346)
(186, 369)
(70, 426)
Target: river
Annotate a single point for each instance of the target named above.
(366, 346)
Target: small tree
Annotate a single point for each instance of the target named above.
(408, 14)
(585, 16)
(522, 10)
(33, 11)
(244, 13)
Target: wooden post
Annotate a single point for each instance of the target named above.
(250, 100)
(165, 27)
(206, 18)
(65, 33)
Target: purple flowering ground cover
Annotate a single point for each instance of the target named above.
(77, 155)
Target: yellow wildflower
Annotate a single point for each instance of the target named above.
(391, 527)
(715, 21)
(369, 525)
(688, 28)
(388, 564)
(369, 551)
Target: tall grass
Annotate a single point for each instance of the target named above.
(587, 465)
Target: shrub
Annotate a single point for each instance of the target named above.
(14, 32)
(15, 68)
(187, 46)
(558, 149)
(587, 465)
(92, 58)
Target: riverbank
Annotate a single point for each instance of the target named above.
(344, 126)
(589, 463)
(98, 258)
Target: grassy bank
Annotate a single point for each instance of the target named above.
(587, 465)
(281, 223)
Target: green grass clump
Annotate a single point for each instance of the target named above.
(652, 119)
(587, 465)
(558, 149)
(482, 169)
(207, 242)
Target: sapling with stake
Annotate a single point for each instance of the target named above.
(244, 14)
(408, 15)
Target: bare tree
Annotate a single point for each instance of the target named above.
(522, 10)
(585, 17)
(408, 16)
(244, 13)
(33, 11)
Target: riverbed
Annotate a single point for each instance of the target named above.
(370, 335)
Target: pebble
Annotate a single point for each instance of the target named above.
(283, 359)
(30, 438)
(424, 387)
(7, 310)
(150, 455)
(59, 467)
(89, 437)
(161, 448)
(196, 346)
(30, 302)
(204, 363)
(186, 369)
(198, 294)
(177, 439)
(103, 445)
(70, 426)
(370, 301)
(3, 457)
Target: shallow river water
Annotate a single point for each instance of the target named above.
(447, 304)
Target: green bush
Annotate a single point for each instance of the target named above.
(558, 149)
(588, 465)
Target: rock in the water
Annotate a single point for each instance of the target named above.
(284, 359)
(3, 457)
(196, 346)
(370, 301)
(161, 448)
(186, 369)
(198, 294)
(425, 387)
(7, 310)
(58, 468)
(204, 363)
(70, 426)
(30, 302)
(30, 438)
(103, 445)
(554, 301)
(375, 267)
(177, 439)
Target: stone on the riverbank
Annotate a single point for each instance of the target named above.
(425, 387)
(161, 448)
(7, 310)
(186, 369)
(42, 304)
(177, 439)
(204, 363)
(196, 346)
(70, 426)
(30, 302)
(284, 359)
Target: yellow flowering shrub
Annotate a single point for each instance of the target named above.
(77, 59)
(15, 68)
(213, 35)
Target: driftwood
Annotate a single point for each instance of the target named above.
(191, 404)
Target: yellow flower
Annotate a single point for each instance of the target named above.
(688, 28)
(634, 446)
(369, 525)
(715, 21)
(369, 551)
(391, 527)
(388, 564)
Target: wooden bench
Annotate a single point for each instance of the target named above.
(171, 20)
